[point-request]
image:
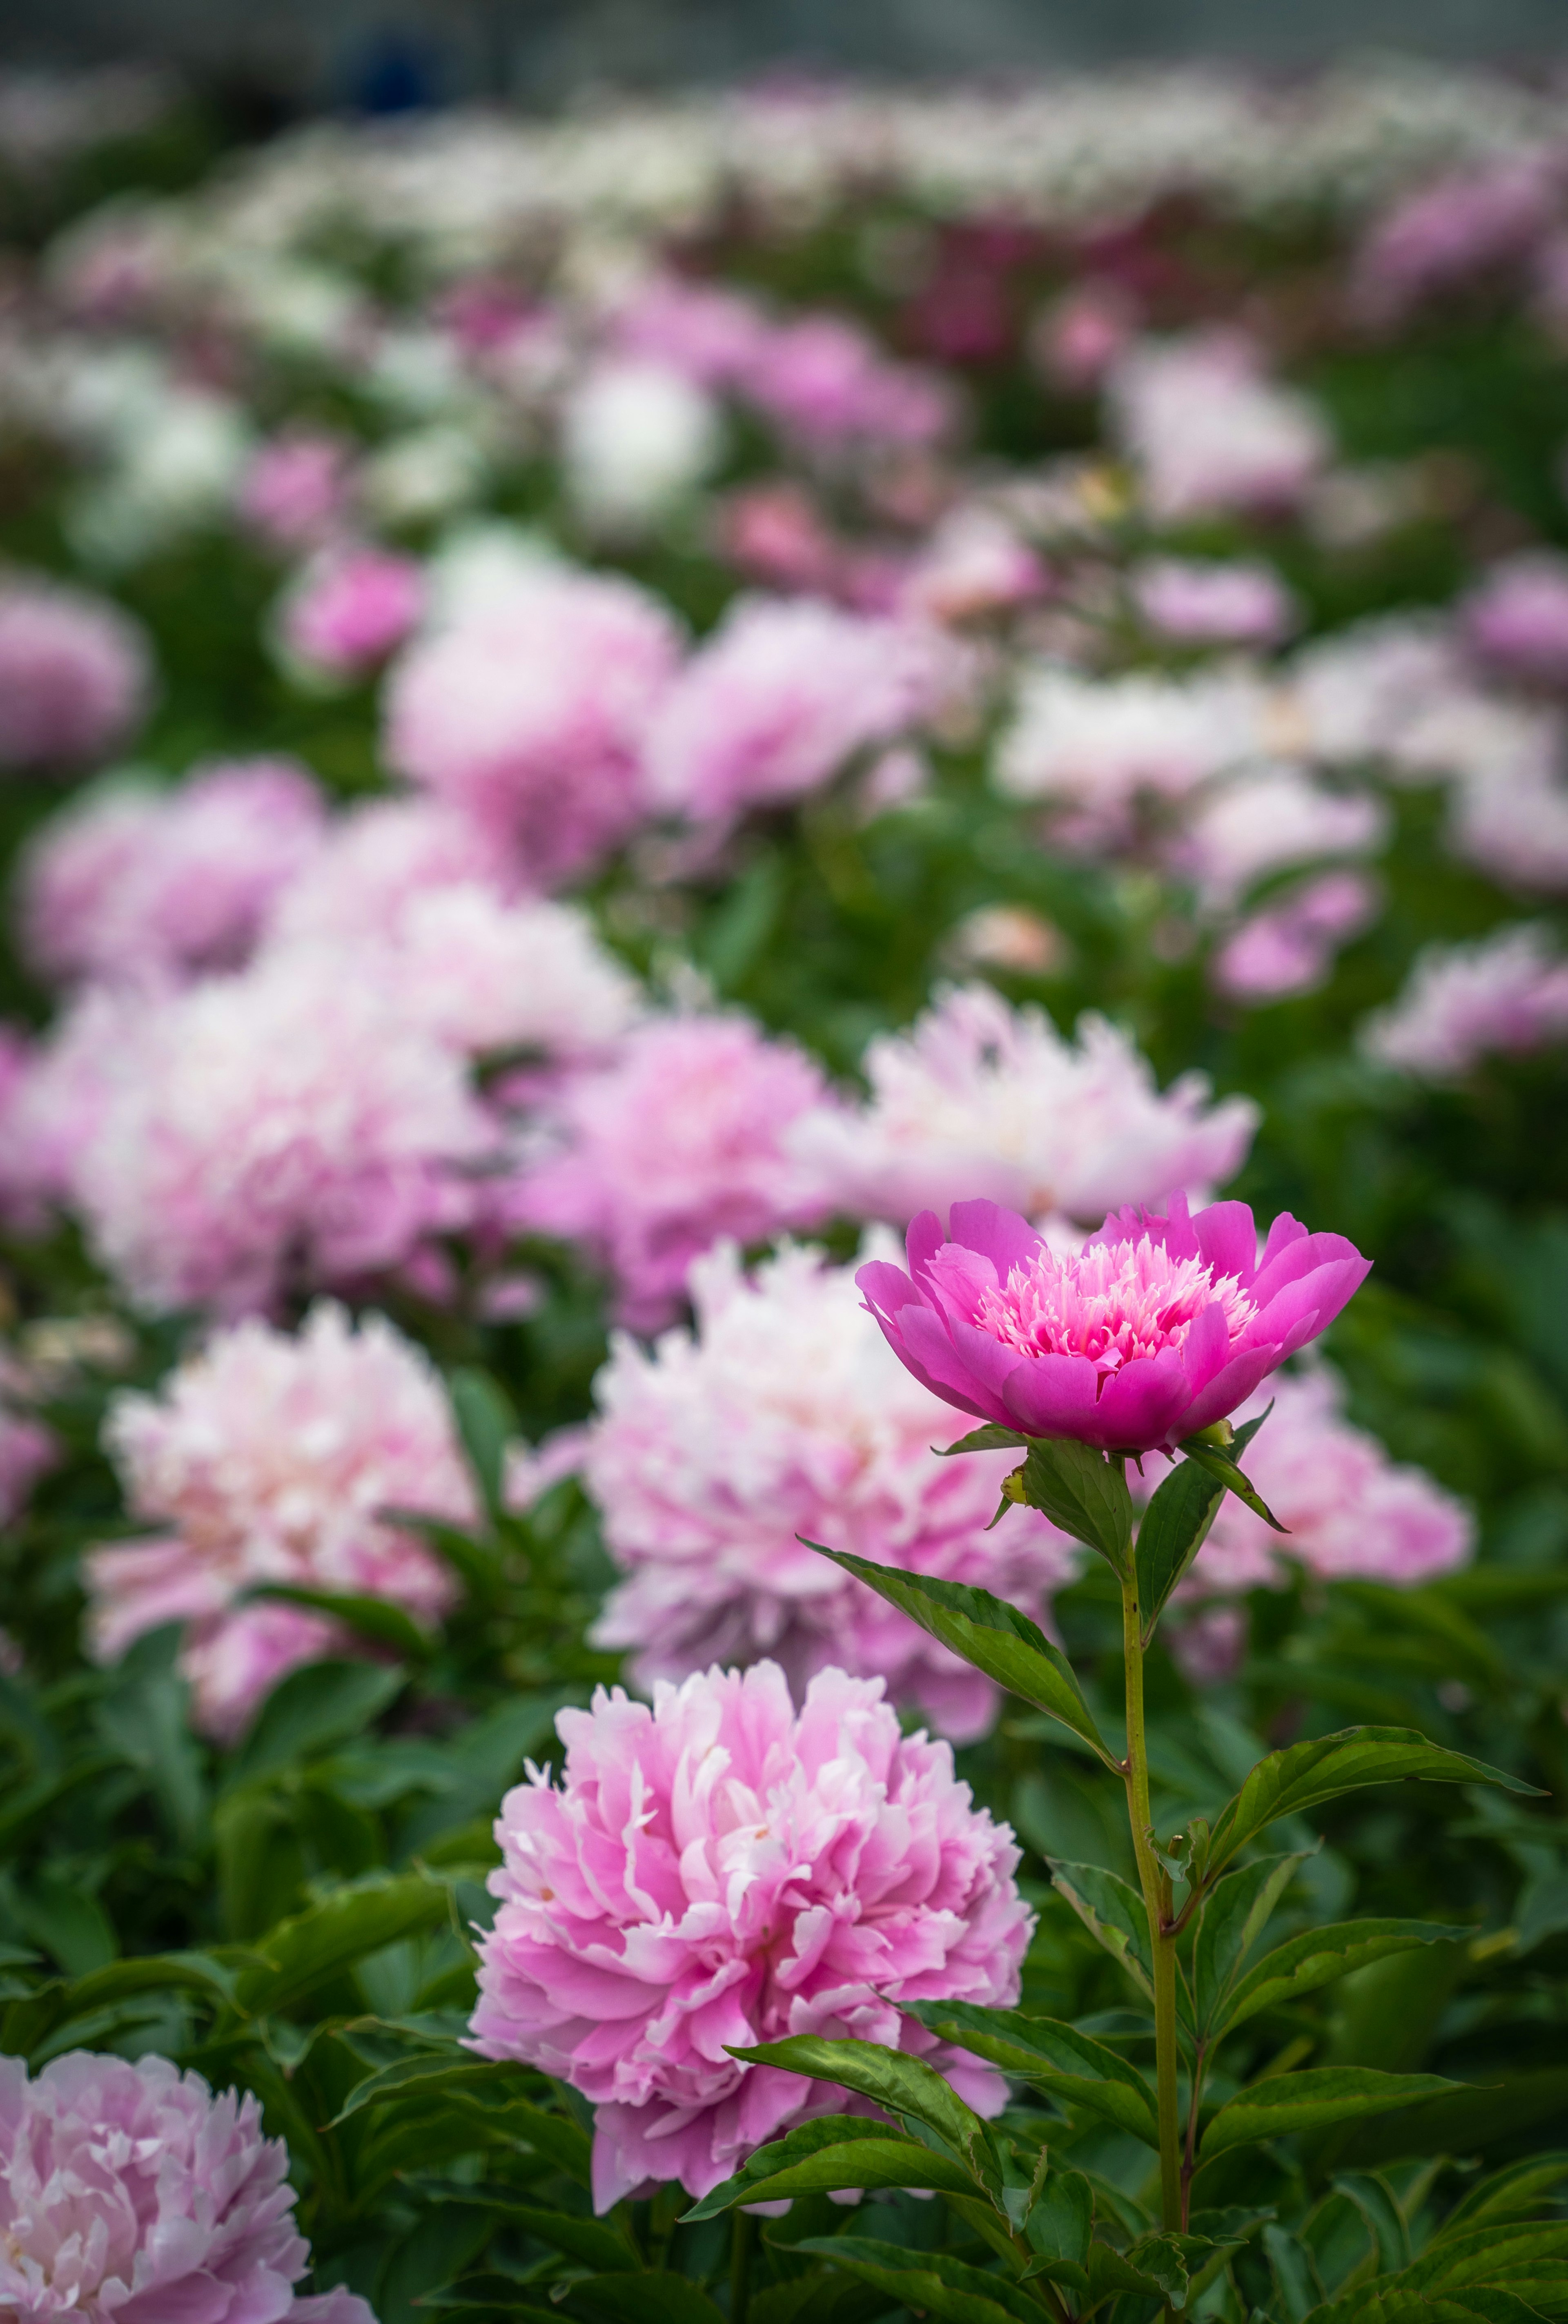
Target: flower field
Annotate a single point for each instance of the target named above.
(784, 1214)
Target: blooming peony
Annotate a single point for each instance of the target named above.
(1349, 1511)
(638, 438)
(1100, 748)
(782, 697)
(1209, 433)
(134, 2195)
(1289, 947)
(825, 380)
(780, 1415)
(979, 1096)
(1508, 992)
(295, 491)
(1157, 1328)
(530, 720)
(270, 1458)
(350, 608)
(1195, 604)
(1268, 820)
(133, 880)
(720, 1870)
(375, 862)
(679, 1141)
(1461, 228)
(1516, 619)
(75, 675)
(271, 1131)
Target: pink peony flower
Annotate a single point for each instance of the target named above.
(1074, 343)
(782, 697)
(134, 2195)
(1363, 692)
(1209, 433)
(1510, 820)
(1207, 604)
(1157, 1328)
(76, 675)
(1288, 947)
(973, 564)
(132, 882)
(979, 1095)
(1455, 231)
(715, 336)
(718, 1871)
(776, 534)
(680, 1142)
(349, 609)
(59, 1101)
(1350, 1510)
(375, 862)
(826, 381)
(270, 1458)
(1098, 749)
(295, 491)
(532, 720)
(1508, 992)
(1268, 820)
(1517, 618)
(780, 1415)
(268, 1132)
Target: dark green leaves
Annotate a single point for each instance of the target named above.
(833, 2152)
(903, 2085)
(1072, 2066)
(487, 1425)
(1176, 1524)
(930, 2283)
(310, 1710)
(1318, 1956)
(1112, 1912)
(1082, 1491)
(987, 1633)
(375, 1618)
(1222, 1469)
(1312, 2101)
(315, 1946)
(1308, 1775)
(988, 1439)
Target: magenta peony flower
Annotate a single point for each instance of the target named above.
(977, 1097)
(1508, 993)
(780, 1415)
(349, 609)
(1516, 617)
(719, 1871)
(284, 1129)
(826, 381)
(1157, 1328)
(1349, 1511)
(132, 882)
(530, 720)
(270, 1458)
(782, 697)
(680, 1142)
(75, 675)
(133, 2194)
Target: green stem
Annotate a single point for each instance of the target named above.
(1155, 1898)
(740, 2268)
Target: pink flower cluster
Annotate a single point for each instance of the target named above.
(1455, 231)
(982, 1098)
(272, 1458)
(294, 493)
(717, 1871)
(678, 1141)
(780, 699)
(1349, 1511)
(132, 882)
(1265, 820)
(1209, 433)
(375, 862)
(76, 675)
(1516, 619)
(530, 719)
(133, 2194)
(1194, 604)
(1099, 750)
(1289, 947)
(350, 608)
(1508, 994)
(780, 1415)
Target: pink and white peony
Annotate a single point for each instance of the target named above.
(76, 674)
(1507, 994)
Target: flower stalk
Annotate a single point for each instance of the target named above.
(1157, 1897)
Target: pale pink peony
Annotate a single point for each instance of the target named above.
(781, 697)
(679, 1142)
(973, 564)
(271, 1459)
(59, 1101)
(1516, 617)
(133, 2194)
(133, 880)
(979, 1098)
(780, 1415)
(719, 1871)
(1366, 692)
(713, 334)
(1351, 1513)
(1456, 231)
(377, 861)
(1507, 993)
(775, 533)
(1209, 433)
(1288, 947)
(1194, 602)
(1075, 341)
(486, 975)
(1100, 749)
(75, 675)
(530, 721)
(825, 380)
(1510, 820)
(295, 491)
(274, 1131)
(1268, 820)
(349, 609)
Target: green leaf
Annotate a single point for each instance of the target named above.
(593, 2242)
(818, 2158)
(650, 2296)
(487, 1424)
(1474, 2275)
(1379, 2207)
(1083, 1492)
(798, 2145)
(1307, 1774)
(1175, 1526)
(311, 1711)
(1318, 1956)
(930, 2282)
(1387, 2302)
(1515, 2194)
(1114, 1915)
(989, 1634)
(317, 1945)
(375, 1618)
(1222, 1467)
(1157, 2266)
(892, 2079)
(1232, 1917)
(430, 2075)
(1060, 2224)
(1072, 2067)
(1313, 2101)
(988, 1439)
